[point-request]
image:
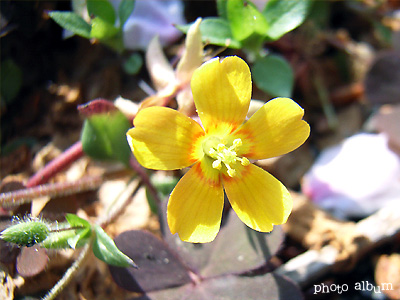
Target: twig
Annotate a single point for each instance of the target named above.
(22, 196)
(69, 274)
(56, 165)
(374, 230)
(119, 204)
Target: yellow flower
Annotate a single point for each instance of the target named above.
(220, 154)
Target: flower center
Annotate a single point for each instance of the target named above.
(223, 155)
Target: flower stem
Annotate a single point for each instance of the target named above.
(22, 196)
(145, 179)
(58, 164)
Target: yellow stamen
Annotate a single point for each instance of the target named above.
(224, 155)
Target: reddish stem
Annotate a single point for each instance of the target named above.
(56, 165)
(57, 189)
(145, 179)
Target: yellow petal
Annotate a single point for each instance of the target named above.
(258, 198)
(222, 91)
(195, 205)
(275, 129)
(164, 139)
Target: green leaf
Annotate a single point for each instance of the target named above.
(72, 22)
(26, 233)
(125, 9)
(102, 9)
(75, 221)
(133, 64)
(105, 249)
(273, 75)
(215, 31)
(245, 20)
(102, 30)
(104, 136)
(284, 16)
(221, 9)
(82, 235)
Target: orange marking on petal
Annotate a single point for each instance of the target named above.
(200, 172)
(248, 141)
(194, 150)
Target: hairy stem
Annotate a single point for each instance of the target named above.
(145, 179)
(22, 196)
(69, 274)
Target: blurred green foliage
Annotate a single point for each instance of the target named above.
(105, 25)
(241, 25)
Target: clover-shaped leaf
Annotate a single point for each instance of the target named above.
(250, 249)
(245, 20)
(158, 267)
(266, 287)
(215, 31)
(104, 131)
(284, 16)
(163, 275)
(274, 75)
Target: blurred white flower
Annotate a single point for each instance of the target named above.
(355, 178)
(151, 18)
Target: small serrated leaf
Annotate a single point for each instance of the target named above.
(105, 249)
(72, 22)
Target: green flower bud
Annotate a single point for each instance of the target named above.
(26, 233)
